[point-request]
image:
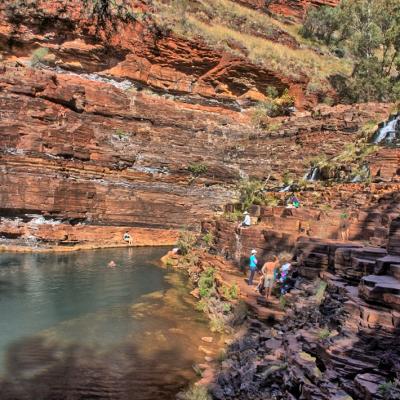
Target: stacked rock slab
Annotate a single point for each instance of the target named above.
(313, 234)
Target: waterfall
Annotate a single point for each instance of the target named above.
(387, 133)
(285, 189)
(238, 249)
(312, 175)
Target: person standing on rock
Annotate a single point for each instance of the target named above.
(253, 266)
(344, 227)
(268, 271)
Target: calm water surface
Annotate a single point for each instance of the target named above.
(73, 328)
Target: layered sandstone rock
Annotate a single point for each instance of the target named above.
(136, 50)
(82, 151)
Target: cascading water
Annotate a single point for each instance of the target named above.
(389, 132)
(238, 248)
(285, 189)
(312, 175)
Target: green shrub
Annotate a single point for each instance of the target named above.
(197, 169)
(270, 200)
(271, 92)
(324, 334)
(390, 390)
(207, 283)
(251, 192)
(226, 307)
(186, 242)
(121, 133)
(201, 305)
(272, 107)
(233, 216)
(208, 239)
(230, 292)
(38, 55)
(234, 291)
(217, 324)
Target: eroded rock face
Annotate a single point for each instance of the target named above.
(104, 133)
(139, 51)
(79, 150)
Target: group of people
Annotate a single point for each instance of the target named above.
(272, 273)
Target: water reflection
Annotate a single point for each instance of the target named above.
(77, 329)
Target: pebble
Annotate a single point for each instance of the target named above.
(207, 339)
(204, 350)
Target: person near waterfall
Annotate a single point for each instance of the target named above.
(252, 266)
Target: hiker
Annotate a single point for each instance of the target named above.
(294, 201)
(128, 238)
(253, 266)
(268, 271)
(344, 227)
(284, 279)
(246, 220)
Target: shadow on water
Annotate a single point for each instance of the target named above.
(38, 370)
(128, 332)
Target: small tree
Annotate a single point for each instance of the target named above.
(186, 242)
(251, 192)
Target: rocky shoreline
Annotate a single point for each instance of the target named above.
(319, 350)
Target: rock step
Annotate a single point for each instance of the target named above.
(383, 289)
(395, 270)
(383, 264)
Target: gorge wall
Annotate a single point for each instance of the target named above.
(105, 129)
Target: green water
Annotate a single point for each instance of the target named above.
(71, 327)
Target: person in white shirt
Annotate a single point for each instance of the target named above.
(246, 220)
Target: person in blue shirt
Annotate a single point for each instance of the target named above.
(252, 265)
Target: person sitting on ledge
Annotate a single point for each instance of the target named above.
(246, 220)
(128, 238)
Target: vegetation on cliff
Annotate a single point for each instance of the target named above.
(244, 32)
(368, 32)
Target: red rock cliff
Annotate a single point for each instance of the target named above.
(106, 133)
